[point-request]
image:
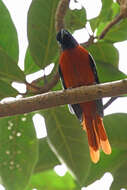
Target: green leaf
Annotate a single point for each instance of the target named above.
(7, 90)
(41, 31)
(68, 141)
(94, 22)
(47, 159)
(115, 125)
(106, 11)
(115, 9)
(104, 16)
(103, 19)
(75, 19)
(104, 52)
(116, 128)
(30, 66)
(118, 32)
(101, 27)
(120, 176)
(106, 58)
(51, 181)
(18, 151)
(8, 34)
(9, 69)
(107, 163)
(108, 72)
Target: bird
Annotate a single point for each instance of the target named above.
(77, 68)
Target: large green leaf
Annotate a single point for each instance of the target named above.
(41, 31)
(51, 181)
(114, 11)
(118, 32)
(47, 159)
(9, 70)
(108, 72)
(8, 34)
(18, 151)
(6, 90)
(104, 16)
(116, 163)
(30, 66)
(68, 141)
(104, 52)
(106, 57)
(75, 19)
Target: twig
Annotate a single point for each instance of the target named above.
(70, 96)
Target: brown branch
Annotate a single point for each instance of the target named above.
(123, 7)
(60, 13)
(110, 25)
(70, 96)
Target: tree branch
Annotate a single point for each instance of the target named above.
(60, 13)
(70, 96)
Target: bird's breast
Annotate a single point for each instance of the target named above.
(76, 68)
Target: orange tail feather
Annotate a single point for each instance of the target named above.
(97, 137)
(105, 145)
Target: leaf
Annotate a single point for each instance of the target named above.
(120, 176)
(75, 19)
(68, 141)
(30, 66)
(9, 69)
(108, 72)
(118, 32)
(7, 90)
(115, 9)
(18, 151)
(41, 31)
(8, 34)
(47, 159)
(99, 23)
(49, 180)
(104, 16)
(106, 11)
(104, 52)
(116, 128)
(115, 125)
(101, 27)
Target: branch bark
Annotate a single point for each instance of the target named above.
(60, 13)
(70, 96)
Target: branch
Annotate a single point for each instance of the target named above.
(60, 13)
(70, 96)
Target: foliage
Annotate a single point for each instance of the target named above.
(26, 162)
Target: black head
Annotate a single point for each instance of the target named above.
(66, 40)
